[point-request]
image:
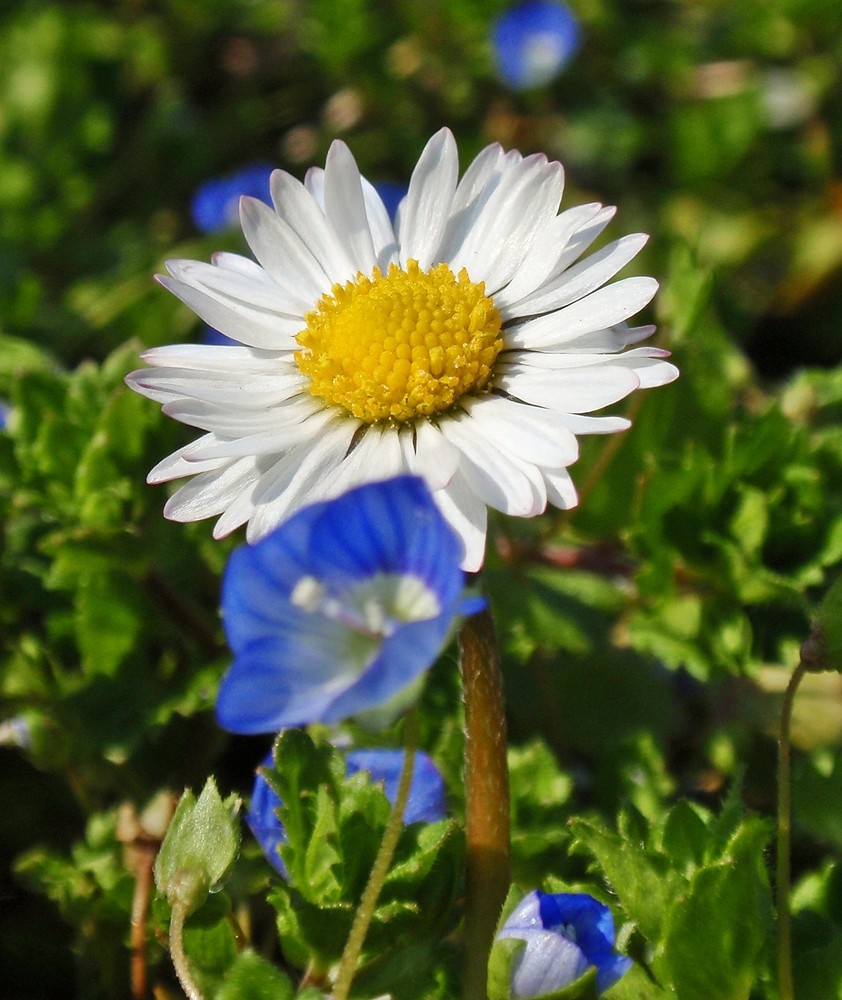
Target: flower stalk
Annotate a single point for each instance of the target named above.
(380, 869)
(782, 873)
(177, 953)
(487, 791)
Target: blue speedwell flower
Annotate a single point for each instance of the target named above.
(533, 42)
(216, 205)
(566, 934)
(425, 804)
(340, 610)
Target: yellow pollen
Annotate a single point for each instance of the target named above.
(405, 345)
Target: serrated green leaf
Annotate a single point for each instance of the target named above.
(685, 836)
(641, 878)
(716, 931)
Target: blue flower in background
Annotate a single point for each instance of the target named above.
(216, 205)
(566, 934)
(533, 42)
(340, 610)
(425, 804)
(5, 410)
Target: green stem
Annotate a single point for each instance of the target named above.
(784, 815)
(487, 873)
(179, 959)
(380, 869)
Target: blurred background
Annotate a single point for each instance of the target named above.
(129, 128)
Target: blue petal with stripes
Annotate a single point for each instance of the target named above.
(340, 610)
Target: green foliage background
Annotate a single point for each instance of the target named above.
(648, 634)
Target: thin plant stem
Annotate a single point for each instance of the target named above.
(785, 991)
(179, 958)
(147, 850)
(380, 869)
(487, 873)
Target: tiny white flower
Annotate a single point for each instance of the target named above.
(468, 343)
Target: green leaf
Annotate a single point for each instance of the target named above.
(829, 624)
(251, 977)
(716, 931)
(200, 846)
(641, 878)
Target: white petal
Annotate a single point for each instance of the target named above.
(429, 454)
(382, 233)
(243, 265)
(651, 371)
(283, 254)
(573, 250)
(291, 482)
(212, 357)
(345, 206)
(211, 492)
(225, 421)
(532, 434)
(243, 317)
(608, 341)
(545, 252)
(561, 492)
(580, 424)
(521, 206)
(314, 182)
(274, 442)
(472, 192)
(603, 308)
(176, 466)
(504, 227)
(426, 210)
(224, 388)
(468, 516)
(585, 277)
(297, 206)
(500, 480)
(513, 362)
(576, 391)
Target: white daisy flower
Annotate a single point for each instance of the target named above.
(468, 344)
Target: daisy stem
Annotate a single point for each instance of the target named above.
(179, 958)
(380, 869)
(487, 791)
(782, 873)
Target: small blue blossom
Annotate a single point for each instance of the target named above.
(5, 410)
(426, 802)
(340, 610)
(566, 934)
(533, 42)
(216, 205)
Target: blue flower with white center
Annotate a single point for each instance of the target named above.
(566, 934)
(340, 610)
(533, 42)
(216, 205)
(426, 802)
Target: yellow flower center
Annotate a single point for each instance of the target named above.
(403, 345)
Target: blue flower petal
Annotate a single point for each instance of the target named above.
(565, 935)
(215, 205)
(340, 609)
(533, 42)
(426, 802)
